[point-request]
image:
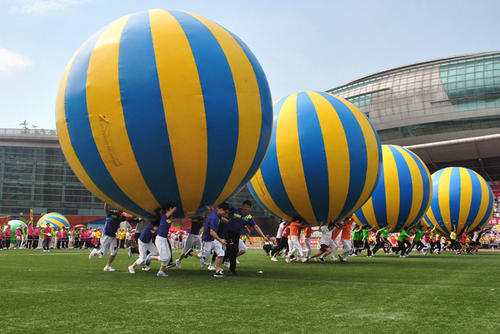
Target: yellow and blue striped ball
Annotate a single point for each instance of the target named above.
(403, 192)
(461, 200)
(323, 161)
(164, 107)
(55, 220)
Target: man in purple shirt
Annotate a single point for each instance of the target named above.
(213, 238)
(108, 239)
(145, 244)
(161, 242)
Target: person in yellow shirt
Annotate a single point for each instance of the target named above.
(121, 238)
(97, 236)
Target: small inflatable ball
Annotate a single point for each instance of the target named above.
(461, 200)
(164, 107)
(54, 219)
(403, 192)
(323, 160)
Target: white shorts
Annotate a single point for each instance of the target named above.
(209, 246)
(143, 251)
(163, 250)
(192, 241)
(242, 247)
(108, 243)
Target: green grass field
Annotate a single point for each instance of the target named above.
(64, 292)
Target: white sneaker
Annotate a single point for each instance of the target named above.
(211, 267)
(131, 269)
(226, 264)
(237, 262)
(178, 263)
(287, 259)
(93, 253)
(273, 258)
(109, 268)
(304, 260)
(146, 268)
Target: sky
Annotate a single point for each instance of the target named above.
(301, 45)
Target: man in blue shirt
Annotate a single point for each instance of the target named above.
(242, 219)
(161, 242)
(145, 244)
(213, 238)
(108, 238)
(193, 240)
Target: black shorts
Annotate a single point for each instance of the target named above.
(324, 248)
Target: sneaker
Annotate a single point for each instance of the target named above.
(322, 259)
(161, 274)
(129, 252)
(178, 263)
(109, 268)
(92, 253)
(304, 260)
(274, 259)
(203, 265)
(131, 269)
(148, 259)
(237, 262)
(287, 259)
(341, 259)
(170, 265)
(146, 268)
(354, 254)
(211, 267)
(226, 264)
(218, 274)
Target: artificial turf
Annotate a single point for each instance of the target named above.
(63, 292)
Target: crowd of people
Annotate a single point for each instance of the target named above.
(220, 243)
(222, 240)
(356, 238)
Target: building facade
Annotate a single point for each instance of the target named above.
(34, 175)
(446, 110)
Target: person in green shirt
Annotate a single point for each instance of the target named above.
(365, 242)
(417, 240)
(403, 243)
(382, 236)
(357, 239)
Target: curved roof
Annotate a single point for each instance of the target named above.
(416, 65)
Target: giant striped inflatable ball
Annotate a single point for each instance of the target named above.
(54, 219)
(403, 192)
(461, 200)
(323, 161)
(164, 107)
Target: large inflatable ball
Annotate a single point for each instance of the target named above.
(403, 192)
(461, 200)
(323, 161)
(14, 224)
(164, 107)
(54, 219)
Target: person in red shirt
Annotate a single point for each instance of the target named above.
(346, 239)
(58, 239)
(36, 237)
(8, 234)
(47, 234)
(295, 227)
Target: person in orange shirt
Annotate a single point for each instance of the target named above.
(295, 227)
(346, 239)
(307, 241)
